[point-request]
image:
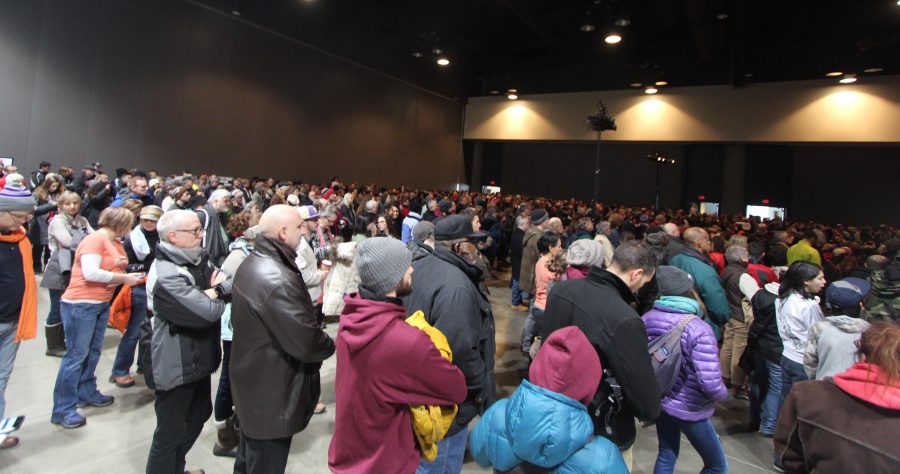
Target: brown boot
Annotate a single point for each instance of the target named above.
(56, 340)
(227, 438)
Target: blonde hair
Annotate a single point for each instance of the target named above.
(67, 197)
(117, 219)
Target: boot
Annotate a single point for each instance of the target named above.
(227, 438)
(56, 340)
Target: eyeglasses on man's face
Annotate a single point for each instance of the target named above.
(195, 232)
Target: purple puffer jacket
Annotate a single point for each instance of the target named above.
(699, 385)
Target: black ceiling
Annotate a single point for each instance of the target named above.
(537, 46)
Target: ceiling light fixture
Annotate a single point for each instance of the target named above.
(834, 74)
(722, 16)
(587, 27)
(495, 92)
(651, 90)
(417, 54)
(622, 21)
(848, 79)
(443, 62)
(635, 84)
(873, 69)
(512, 97)
(437, 50)
(613, 38)
(512, 91)
(235, 12)
(662, 83)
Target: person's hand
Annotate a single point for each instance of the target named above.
(132, 279)
(217, 277)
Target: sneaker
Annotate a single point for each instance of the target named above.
(99, 402)
(70, 421)
(519, 307)
(319, 409)
(766, 435)
(741, 394)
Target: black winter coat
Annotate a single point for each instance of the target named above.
(515, 252)
(600, 305)
(278, 346)
(763, 338)
(445, 288)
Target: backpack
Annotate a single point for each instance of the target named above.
(665, 355)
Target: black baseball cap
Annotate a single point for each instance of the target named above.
(455, 227)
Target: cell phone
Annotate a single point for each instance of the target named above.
(13, 423)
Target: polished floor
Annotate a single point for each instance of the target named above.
(116, 439)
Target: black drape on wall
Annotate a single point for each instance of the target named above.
(169, 85)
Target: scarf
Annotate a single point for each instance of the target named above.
(679, 303)
(139, 243)
(27, 328)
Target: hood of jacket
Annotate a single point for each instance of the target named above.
(240, 244)
(363, 319)
(180, 256)
(567, 364)
(346, 252)
(848, 324)
(866, 382)
(773, 287)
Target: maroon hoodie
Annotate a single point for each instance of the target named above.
(383, 366)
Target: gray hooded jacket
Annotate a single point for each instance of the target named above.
(831, 348)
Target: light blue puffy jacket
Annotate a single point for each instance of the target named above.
(546, 429)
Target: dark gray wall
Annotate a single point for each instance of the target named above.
(847, 184)
(853, 184)
(564, 170)
(165, 84)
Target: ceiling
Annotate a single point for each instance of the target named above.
(538, 46)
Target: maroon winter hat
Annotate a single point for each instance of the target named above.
(568, 364)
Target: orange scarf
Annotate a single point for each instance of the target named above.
(28, 316)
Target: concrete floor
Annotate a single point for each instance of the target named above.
(117, 438)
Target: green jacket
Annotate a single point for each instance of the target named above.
(883, 301)
(803, 251)
(707, 284)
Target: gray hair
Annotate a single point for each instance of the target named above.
(218, 195)
(602, 227)
(736, 254)
(371, 205)
(171, 220)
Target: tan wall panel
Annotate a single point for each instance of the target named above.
(802, 111)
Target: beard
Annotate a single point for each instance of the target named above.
(405, 288)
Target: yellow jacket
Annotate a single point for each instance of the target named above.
(430, 423)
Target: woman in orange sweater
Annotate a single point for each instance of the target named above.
(98, 267)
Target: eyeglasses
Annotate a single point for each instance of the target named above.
(196, 232)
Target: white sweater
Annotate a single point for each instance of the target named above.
(795, 316)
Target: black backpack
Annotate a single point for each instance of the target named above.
(665, 355)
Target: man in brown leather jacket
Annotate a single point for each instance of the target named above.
(278, 346)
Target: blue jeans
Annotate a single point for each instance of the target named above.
(531, 328)
(125, 353)
(84, 325)
(517, 294)
(449, 460)
(765, 394)
(8, 349)
(791, 373)
(53, 317)
(702, 436)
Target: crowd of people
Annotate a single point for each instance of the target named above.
(630, 314)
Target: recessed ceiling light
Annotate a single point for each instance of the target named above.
(235, 13)
(443, 62)
(834, 74)
(622, 21)
(848, 79)
(587, 27)
(613, 38)
(512, 97)
(722, 16)
(512, 91)
(662, 83)
(437, 50)
(417, 54)
(874, 69)
(635, 84)
(651, 90)
(495, 92)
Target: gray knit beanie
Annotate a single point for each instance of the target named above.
(382, 262)
(673, 281)
(585, 253)
(15, 197)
